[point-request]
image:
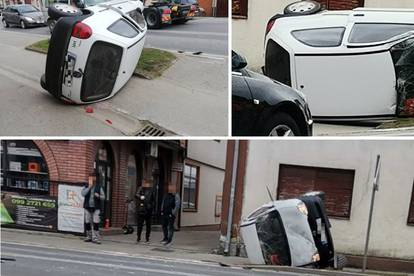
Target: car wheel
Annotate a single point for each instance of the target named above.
(303, 7)
(281, 124)
(51, 24)
(153, 20)
(22, 24)
(59, 10)
(5, 24)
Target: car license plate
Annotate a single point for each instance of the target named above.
(68, 70)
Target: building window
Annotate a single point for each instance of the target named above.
(239, 9)
(410, 220)
(336, 183)
(190, 193)
(23, 168)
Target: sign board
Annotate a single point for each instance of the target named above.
(70, 209)
(29, 211)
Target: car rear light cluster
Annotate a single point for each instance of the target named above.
(82, 31)
(270, 25)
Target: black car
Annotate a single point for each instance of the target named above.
(264, 107)
(23, 16)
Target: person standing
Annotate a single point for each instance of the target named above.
(169, 209)
(94, 196)
(145, 205)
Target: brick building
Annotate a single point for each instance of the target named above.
(38, 167)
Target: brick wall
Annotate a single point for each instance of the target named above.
(341, 4)
(207, 6)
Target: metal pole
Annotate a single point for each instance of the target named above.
(232, 192)
(371, 209)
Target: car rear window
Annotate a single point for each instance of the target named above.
(323, 37)
(123, 28)
(374, 32)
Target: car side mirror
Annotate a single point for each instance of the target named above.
(237, 61)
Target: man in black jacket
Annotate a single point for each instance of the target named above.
(145, 205)
(94, 196)
(169, 210)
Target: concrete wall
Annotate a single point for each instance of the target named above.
(390, 236)
(248, 34)
(210, 157)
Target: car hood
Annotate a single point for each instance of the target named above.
(33, 15)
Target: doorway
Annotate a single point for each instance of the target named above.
(104, 164)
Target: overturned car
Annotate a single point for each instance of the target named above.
(351, 65)
(293, 232)
(92, 55)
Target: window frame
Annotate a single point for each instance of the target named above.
(315, 29)
(244, 9)
(6, 173)
(197, 185)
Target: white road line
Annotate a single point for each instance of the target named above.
(158, 271)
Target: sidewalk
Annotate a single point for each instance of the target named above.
(188, 246)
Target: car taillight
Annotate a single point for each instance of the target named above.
(166, 11)
(270, 25)
(82, 31)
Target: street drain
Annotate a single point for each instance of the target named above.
(151, 130)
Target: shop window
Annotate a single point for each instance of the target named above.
(337, 184)
(411, 211)
(23, 168)
(190, 194)
(239, 8)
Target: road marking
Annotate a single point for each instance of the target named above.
(127, 267)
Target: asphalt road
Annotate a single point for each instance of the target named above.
(18, 259)
(205, 34)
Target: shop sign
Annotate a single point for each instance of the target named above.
(70, 209)
(29, 211)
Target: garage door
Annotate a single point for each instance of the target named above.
(336, 183)
(341, 4)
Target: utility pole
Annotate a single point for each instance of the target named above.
(371, 209)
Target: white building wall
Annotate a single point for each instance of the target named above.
(248, 34)
(390, 236)
(210, 156)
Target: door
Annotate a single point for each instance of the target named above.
(104, 179)
(222, 8)
(242, 106)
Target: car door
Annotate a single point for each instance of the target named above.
(242, 105)
(14, 16)
(356, 82)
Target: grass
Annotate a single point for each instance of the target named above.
(400, 122)
(152, 63)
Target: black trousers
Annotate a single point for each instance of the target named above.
(144, 218)
(168, 227)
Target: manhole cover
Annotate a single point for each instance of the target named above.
(151, 130)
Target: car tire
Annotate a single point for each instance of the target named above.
(306, 7)
(153, 19)
(5, 24)
(59, 10)
(281, 124)
(23, 24)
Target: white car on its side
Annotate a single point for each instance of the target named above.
(93, 55)
(351, 65)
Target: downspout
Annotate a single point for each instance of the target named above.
(232, 193)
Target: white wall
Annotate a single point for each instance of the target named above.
(390, 236)
(248, 35)
(211, 157)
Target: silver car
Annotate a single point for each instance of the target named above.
(23, 16)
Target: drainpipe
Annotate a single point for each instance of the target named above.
(232, 193)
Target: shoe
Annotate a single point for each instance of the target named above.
(97, 241)
(168, 244)
(147, 242)
(138, 240)
(163, 241)
(87, 240)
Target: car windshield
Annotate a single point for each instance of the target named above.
(273, 240)
(27, 9)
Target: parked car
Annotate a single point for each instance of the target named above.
(351, 65)
(92, 56)
(159, 13)
(23, 16)
(264, 107)
(292, 232)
